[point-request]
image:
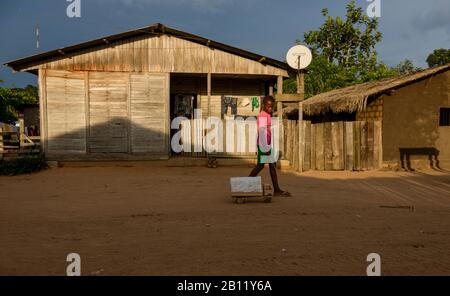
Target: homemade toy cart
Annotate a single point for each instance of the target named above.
(243, 188)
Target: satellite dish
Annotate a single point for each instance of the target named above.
(299, 57)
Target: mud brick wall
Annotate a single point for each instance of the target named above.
(373, 112)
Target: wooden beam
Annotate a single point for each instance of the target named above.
(167, 133)
(389, 92)
(348, 135)
(43, 108)
(129, 117)
(86, 110)
(379, 142)
(289, 97)
(280, 85)
(270, 90)
(22, 130)
(280, 115)
(301, 139)
(208, 82)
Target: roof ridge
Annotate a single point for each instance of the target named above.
(157, 29)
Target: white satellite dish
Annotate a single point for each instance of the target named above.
(299, 57)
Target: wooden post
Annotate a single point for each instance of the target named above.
(357, 145)
(22, 132)
(319, 148)
(378, 147)
(208, 83)
(270, 88)
(364, 146)
(328, 146)
(87, 109)
(313, 147)
(349, 160)
(43, 109)
(167, 111)
(208, 92)
(280, 116)
(301, 140)
(1, 141)
(307, 141)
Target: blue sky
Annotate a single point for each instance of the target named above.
(411, 28)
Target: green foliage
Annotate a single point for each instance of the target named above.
(22, 165)
(11, 99)
(350, 42)
(439, 57)
(323, 76)
(343, 53)
(406, 67)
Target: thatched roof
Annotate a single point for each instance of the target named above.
(354, 98)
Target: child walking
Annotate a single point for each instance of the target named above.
(264, 125)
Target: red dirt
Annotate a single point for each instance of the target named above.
(137, 219)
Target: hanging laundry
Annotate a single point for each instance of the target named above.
(183, 105)
(255, 103)
(229, 102)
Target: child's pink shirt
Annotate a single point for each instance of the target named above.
(265, 120)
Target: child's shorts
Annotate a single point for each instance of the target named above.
(267, 159)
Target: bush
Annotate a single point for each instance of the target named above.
(22, 165)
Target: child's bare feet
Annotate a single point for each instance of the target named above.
(282, 193)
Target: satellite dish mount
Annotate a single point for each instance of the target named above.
(298, 57)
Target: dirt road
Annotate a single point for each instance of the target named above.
(143, 220)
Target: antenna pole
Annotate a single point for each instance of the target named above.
(301, 92)
(37, 36)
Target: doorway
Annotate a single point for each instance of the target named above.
(181, 105)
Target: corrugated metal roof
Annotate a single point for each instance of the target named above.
(156, 30)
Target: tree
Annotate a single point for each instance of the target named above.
(322, 76)
(349, 43)
(12, 99)
(406, 67)
(343, 53)
(439, 57)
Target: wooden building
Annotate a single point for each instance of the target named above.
(414, 111)
(114, 97)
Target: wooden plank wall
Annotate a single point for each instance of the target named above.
(66, 112)
(158, 54)
(106, 112)
(307, 147)
(335, 145)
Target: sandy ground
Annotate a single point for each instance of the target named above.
(143, 220)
